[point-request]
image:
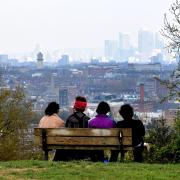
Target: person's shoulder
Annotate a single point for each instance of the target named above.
(44, 117)
(70, 116)
(137, 121)
(87, 118)
(82, 115)
(92, 120)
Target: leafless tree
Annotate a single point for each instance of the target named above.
(171, 31)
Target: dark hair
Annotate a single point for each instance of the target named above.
(126, 111)
(103, 108)
(82, 99)
(52, 108)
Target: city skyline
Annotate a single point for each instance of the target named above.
(67, 24)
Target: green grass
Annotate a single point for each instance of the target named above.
(87, 170)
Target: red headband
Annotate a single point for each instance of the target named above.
(80, 105)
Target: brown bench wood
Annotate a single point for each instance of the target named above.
(83, 138)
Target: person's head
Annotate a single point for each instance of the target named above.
(52, 108)
(80, 104)
(103, 108)
(126, 111)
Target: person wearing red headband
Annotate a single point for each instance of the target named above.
(78, 119)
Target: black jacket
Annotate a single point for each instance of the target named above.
(138, 130)
(77, 120)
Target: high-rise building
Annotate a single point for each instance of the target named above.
(111, 49)
(158, 42)
(124, 47)
(124, 41)
(3, 58)
(145, 42)
(63, 97)
(64, 60)
(40, 60)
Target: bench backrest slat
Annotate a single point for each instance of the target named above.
(80, 132)
(84, 138)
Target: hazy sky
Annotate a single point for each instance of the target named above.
(55, 24)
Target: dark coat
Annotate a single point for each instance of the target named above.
(138, 130)
(77, 120)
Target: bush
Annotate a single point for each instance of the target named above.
(15, 116)
(165, 142)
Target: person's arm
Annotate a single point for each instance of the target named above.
(142, 129)
(67, 122)
(61, 123)
(40, 125)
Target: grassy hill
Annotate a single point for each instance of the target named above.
(87, 170)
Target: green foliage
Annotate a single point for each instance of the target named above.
(15, 115)
(177, 136)
(165, 142)
(87, 170)
(160, 134)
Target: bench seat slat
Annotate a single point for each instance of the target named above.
(85, 140)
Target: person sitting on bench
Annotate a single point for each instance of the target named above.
(51, 119)
(76, 120)
(138, 131)
(102, 120)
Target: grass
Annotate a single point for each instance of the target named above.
(86, 170)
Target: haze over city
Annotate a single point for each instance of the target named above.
(54, 24)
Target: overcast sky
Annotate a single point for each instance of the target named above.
(55, 24)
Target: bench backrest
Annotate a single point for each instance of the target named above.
(83, 138)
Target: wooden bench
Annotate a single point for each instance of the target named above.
(83, 139)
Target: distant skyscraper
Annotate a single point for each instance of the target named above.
(3, 58)
(63, 97)
(145, 42)
(124, 47)
(40, 60)
(158, 41)
(111, 49)
(64, 60)
(124, 41)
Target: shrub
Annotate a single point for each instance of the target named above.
(15, 115)
(165, 142)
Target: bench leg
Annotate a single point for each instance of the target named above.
(46, 155)
(122, 156)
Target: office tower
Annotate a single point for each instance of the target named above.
(158, 41)
(124, 47)
(64, 60)
(111, 49)
(3, 58)
(63, 97)
(40, 60)
(145, 42)
(124, 41)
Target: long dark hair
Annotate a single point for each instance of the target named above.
(52, 108)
